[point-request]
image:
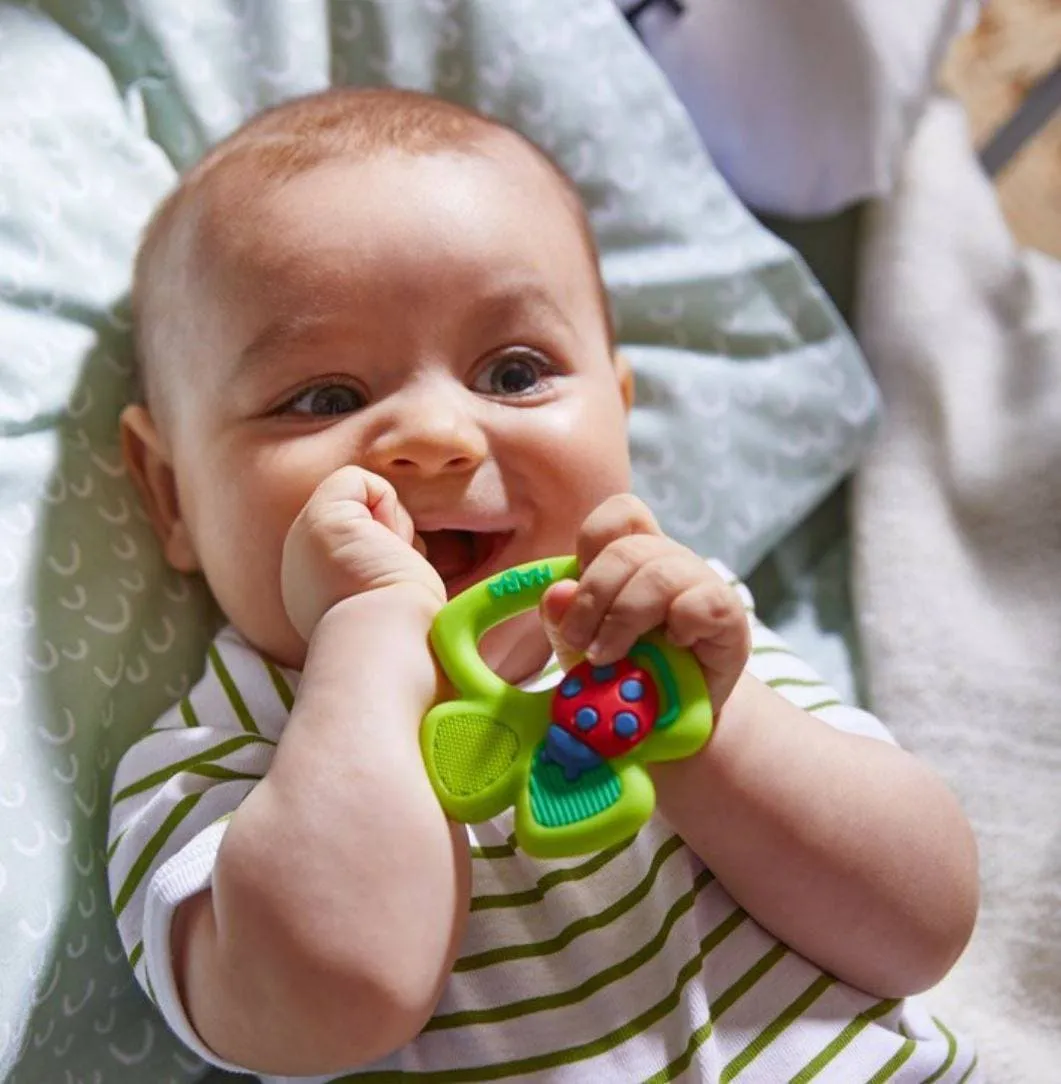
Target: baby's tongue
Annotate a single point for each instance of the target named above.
(451, 553)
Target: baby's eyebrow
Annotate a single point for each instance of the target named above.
(491, 313)
(283, 331)
(500, 307)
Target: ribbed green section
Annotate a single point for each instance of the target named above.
(556, 802)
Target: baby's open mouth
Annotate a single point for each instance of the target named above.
(461, 557)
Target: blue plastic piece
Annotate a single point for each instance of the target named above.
(587, 718)
(567, 751)
(570, 687)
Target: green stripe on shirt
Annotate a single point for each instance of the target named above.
(952, 1050)
(969, 1072)
(788, 1016)
(215, 752)
(794, 682)
(188, 713)
(115, 843)
(554, 1059)
(221, 773)
(235, 698)
(894, 1063)
(773, 649)
(565, 998)
(579, 926)
(283, 690)
(843, 1040)
(151, 849)
(735, 991)
(675, 1068)
(550, 880)
(496, 850)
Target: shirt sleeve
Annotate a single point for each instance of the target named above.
(173, 794)
(775, 664)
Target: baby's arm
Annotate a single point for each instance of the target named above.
(844, 847)
(340, 889)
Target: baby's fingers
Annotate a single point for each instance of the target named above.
(373, 493)
(600, 585)
(381, 499)
(618, 517)
(709, 618)
(552, 608)
(643, 603)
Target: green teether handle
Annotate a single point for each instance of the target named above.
(459, 627)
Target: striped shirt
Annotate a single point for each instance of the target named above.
(633, 964)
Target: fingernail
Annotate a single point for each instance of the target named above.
(595, 652)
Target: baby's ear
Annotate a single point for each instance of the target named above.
(625, 376)
(149, 466)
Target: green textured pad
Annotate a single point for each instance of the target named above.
(555, 802)
(472, 751)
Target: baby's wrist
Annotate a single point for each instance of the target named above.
(415, 601)
(393, 621)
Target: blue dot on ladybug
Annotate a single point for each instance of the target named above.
(570, 687)
(631, 690)
(586, 718)
(602, 674)
(626, 724)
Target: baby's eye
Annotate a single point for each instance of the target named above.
(325, 400)
(513, 374)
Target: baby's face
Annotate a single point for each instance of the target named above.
(435, 320)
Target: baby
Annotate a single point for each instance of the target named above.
(377, 367)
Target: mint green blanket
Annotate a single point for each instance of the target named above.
(753, 400)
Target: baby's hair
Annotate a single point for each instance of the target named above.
(287, 139)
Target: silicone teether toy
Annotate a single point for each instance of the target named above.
(570, 759)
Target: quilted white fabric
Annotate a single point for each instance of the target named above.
(805, 107)
(957, 543)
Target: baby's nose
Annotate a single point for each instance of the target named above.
(438, 440)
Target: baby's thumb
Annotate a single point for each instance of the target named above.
(551, 609)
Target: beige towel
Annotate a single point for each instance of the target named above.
(957, 531)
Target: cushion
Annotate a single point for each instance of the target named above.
(754, 401)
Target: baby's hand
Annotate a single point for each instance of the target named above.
(352, 536)
(635, 579)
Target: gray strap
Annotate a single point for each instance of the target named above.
(1042, 101)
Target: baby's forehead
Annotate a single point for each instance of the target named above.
(337, 230)
(240, 199)
(246, 227)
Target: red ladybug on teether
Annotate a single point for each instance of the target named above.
(598, 713)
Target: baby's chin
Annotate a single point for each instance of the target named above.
(271, 635)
